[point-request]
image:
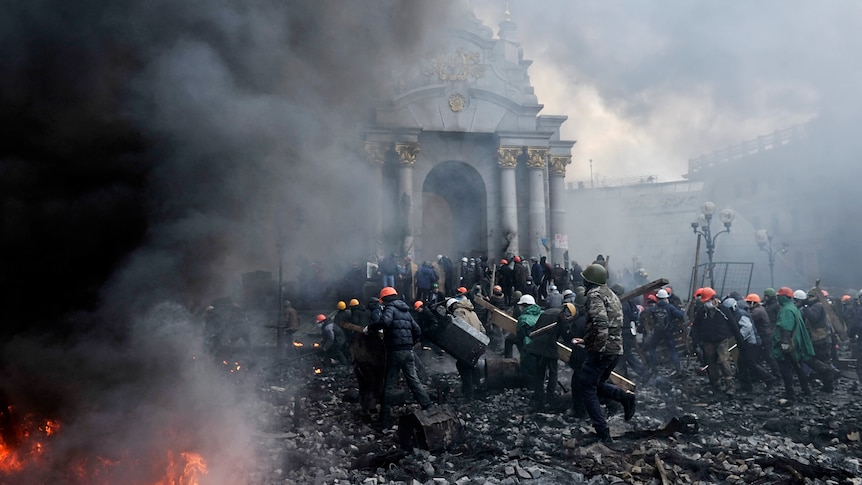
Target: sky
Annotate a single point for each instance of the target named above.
(648, 85)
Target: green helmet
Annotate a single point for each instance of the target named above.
(580, 300)
(770, 292)
(517, 295)
(580, 290)
(596, 274)
(618, 289)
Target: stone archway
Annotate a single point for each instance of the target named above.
(454, 215)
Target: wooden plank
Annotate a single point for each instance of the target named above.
(565, 353)
(644, 289)
(502, 320)
(498, 317)
(836, 322)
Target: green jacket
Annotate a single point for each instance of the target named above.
(526, 322)
(790, 320)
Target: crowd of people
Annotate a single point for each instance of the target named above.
(774, 338)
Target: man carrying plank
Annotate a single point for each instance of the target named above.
(604, 345)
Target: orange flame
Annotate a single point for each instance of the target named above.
(297, 344)
(318, 370)
(316, 344)
(29, 447)
(193, 467)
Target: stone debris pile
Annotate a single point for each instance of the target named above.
(681, 434)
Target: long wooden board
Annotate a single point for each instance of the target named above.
(498, 317)
(565, 353)
(509, 324)
(644, 289)
(836, 322)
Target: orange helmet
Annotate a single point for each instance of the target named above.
(462, 290)
(845, 298)
(321, 317)
(753, 298)
(707, 294)
(785, 291)
(354, 302)
(341, 305)
(517, 259)
(387, 291)
(503, 261)
(418, 304)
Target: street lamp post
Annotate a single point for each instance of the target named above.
(764, 240)
(702, 226)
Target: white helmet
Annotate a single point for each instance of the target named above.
(800, 295)
(730, 303)
(662, 293)
(464, 259)
(450, 302)
(527, 300)
(567, 292)
(552, 288)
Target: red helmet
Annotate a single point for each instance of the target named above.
(517, 259)
(707, 294)
(321, 317)
(418, 304)
(845, 298)
(497, 289)
(503, 261)
(652, 297)
(697, 292)
(387, 291)
(785, 291)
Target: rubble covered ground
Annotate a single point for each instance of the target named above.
(310, 430)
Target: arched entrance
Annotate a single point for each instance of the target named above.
(454, 213)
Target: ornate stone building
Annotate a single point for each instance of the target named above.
(463, 162)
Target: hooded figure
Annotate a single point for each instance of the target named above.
(791, 344)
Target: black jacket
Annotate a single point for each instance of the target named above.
(400, 331)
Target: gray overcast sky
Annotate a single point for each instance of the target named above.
(649, 84)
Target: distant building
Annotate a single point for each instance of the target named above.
(462, 161)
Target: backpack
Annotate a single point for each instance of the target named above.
(661, 320)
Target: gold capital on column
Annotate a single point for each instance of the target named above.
(407, 153)
(507, 157)
(537, 157)
(376, 151)
(558, 164)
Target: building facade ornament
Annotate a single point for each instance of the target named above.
(457, 102)
(507, 157)
(459, 66)
(376, 151)
(558, 164)
(407, 153)
(537, 157)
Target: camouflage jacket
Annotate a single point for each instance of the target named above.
(604, 321)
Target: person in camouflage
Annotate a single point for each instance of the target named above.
(604, 345)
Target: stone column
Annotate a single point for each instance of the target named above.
(407, 156)
(536, 161)
(376, 152)
(557, 195)
(507, 158)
